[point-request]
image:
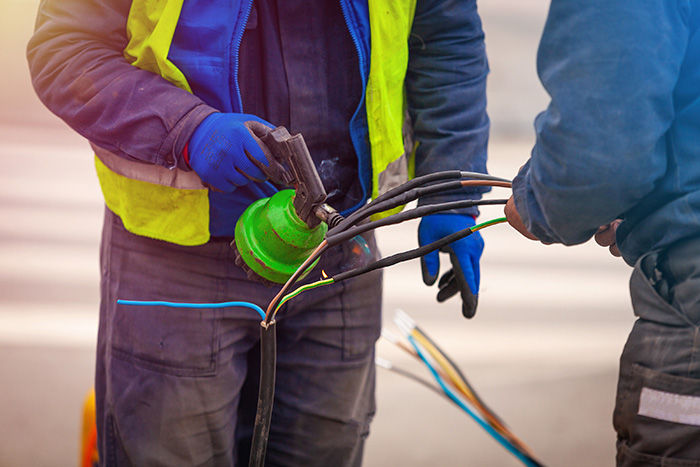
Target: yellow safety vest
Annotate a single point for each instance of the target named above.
(172, 204)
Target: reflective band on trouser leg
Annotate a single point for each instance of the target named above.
(669, 407)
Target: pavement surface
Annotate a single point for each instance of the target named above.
(542, 350)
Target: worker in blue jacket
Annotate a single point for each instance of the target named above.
(617, 157)
(164, 91)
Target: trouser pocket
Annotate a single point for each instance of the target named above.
(182, 342)
(657, 418)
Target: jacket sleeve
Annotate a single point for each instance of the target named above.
(610, 70)
(446, 90)
(80, 73)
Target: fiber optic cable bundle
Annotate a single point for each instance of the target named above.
(452, 384)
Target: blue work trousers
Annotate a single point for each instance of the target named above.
(178, 387)
(657, 412)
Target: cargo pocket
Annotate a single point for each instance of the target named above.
(657, 418)
(180, 342)
(649, 304)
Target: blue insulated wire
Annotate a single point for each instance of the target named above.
(252, 306)
(458, 400)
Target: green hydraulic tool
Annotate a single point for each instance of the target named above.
(275, 235)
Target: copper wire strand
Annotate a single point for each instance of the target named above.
(271, 308)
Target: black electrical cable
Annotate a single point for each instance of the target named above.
(397, 200)
(411, 191)
(266, 394)
(401, 257)
(408, 215)
(353, 218)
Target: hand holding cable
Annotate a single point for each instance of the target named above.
(225, 151)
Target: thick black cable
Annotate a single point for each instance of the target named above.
(399, 200)
(404, 256)
(390, 199)
(408, 215)
(266, 394)
(353, 218)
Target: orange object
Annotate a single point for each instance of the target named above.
(88, 444)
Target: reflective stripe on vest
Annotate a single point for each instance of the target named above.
(149, 199)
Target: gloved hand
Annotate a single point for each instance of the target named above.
(464, 256)
(225, 152)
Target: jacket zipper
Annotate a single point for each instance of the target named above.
(236, 50)
(361, 60)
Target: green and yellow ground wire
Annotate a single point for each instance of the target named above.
(301, 289)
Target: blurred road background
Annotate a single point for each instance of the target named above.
(542, 350)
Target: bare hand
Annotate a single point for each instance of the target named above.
(515, 221)
(606, 237)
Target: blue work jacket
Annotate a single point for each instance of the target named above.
(621, 135)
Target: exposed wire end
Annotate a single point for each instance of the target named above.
(383, 363)
(455, 377)
(389, 336)
(329, 215)
(442, 379)
(439, 363)
(403, 316)
(405, 328)
(394, 339)
(524, 458)
(459, 376)
(252, 306)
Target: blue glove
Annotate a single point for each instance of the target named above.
(225, 152)
(464, 256)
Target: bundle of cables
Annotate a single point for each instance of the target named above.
(452, 384)
(338, 233)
